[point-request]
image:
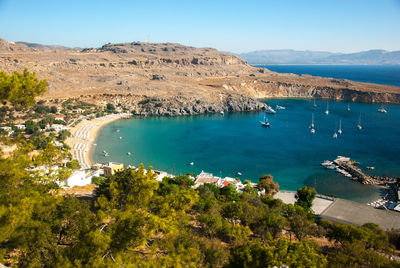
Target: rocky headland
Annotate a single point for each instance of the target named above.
(171, 79)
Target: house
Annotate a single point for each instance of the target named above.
(112, 168)
(204, 177)
(8, 130)
(20, 126)
(57, 127)
(60, 117)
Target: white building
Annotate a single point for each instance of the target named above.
(57, 127)
(20, 126)
(81, 178)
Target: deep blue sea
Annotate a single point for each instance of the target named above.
(379, 74)
(235, 142)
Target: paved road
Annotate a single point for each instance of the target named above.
(348, 212)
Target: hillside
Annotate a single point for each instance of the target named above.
(172, 79)
(321, 57)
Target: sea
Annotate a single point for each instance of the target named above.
(235, 143)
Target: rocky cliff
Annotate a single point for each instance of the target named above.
(172, 79)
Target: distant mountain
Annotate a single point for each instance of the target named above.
(40, 46)
(289, 56)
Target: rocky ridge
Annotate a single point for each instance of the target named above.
(171, 79)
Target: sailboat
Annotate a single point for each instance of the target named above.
(340, 127)
(335, 134)
(264, 122)
(382, 110)
(312, 121)
(315, 105)
(348, 107)
(327, 108)
(359, 123)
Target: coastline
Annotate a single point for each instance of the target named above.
(84, 134)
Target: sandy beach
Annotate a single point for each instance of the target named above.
(84, 134)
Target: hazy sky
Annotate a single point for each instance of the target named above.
(237, 26)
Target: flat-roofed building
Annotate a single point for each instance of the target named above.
(112, 168)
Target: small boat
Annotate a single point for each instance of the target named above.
(240, 174)
(312, 121)
(264, 122)
(340, 127)
(348, 107)
(94, 144)
(326, 163)
(335, 135)
(269, 110)
(359, 127)
(222, 112)
(191, 163)
(371, 168)
(327, 108)
(278, 107)
(312, 131)
(117, 130)
(382, 110)
(128, 153)
(315, 105)
(106, 154)
(120, 138)
(104, 151)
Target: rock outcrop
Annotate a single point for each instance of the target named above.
(172, 79)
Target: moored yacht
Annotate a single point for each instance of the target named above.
(264, 122)
(278, 107)
(359, 127)
(269, 110)
(382, 110)
(340, 127)
(327, 108)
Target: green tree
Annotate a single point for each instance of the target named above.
(21, 88)
(267, 184)
(305, 197)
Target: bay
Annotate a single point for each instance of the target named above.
(235, 142)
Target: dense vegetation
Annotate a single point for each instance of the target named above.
(135, 221)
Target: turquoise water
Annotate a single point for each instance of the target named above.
(379, 74)
(235, 142)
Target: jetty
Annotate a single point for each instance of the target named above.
(357, 174)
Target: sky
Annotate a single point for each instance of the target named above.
(234, 26)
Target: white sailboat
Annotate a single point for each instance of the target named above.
(382, 110)
(315, 105)
(340, 127)
(348, 107)
(327, 108)
(312, 131)
(359, 127)
(335, 134)
(264, 122)
(312, 121)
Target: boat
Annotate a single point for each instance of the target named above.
(240, 174)
(327, 108)
(312, 121)
(359, 127)
(106, 154)
(264, 122)
(371, 168)
(340, 127)
(382, 110)
(312, 131)
(191, 163)
(269, 110)
(222, 112)
(120, 138)
(335, 135)
(348, 107)
(278, 107)
(128, 153)
(117, 130)
(94, 144)
(315, 105)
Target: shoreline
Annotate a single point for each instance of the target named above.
(84, 134)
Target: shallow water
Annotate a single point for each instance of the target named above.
(235, 142)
